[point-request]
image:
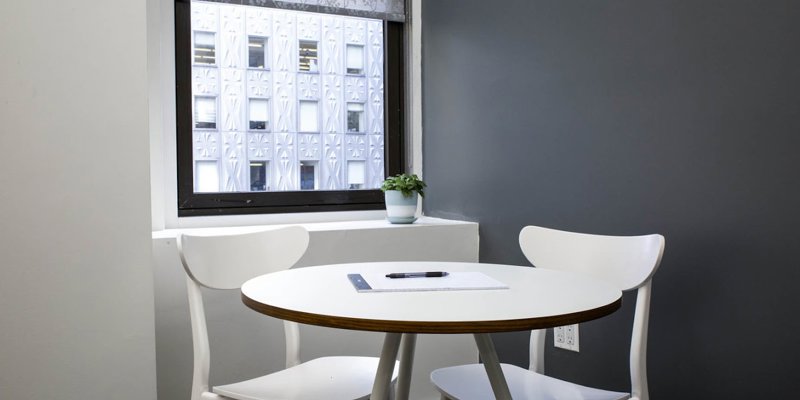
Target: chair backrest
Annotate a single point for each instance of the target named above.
(628, 262)
(226, 262)
(625, 261)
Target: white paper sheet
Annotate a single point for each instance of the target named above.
(454, 281)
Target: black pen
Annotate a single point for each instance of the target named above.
(434, 274)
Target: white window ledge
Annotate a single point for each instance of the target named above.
(421, 223)
(431, 239)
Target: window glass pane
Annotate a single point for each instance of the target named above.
(204, 49)
(256, 51)
(258, 176)
(205, 113)
(259, 111)
(355, 117)
(206, 177)
(308, 177)
(308, 56)
(355, 59)
(309, 117)
(356, 174)
(256, 124)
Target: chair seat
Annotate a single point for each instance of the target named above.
(333, 378)
(467, 382)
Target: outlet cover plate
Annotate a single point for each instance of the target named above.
(567, 337)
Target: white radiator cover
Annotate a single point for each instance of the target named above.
(245, 344)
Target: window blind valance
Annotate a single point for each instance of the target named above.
(391, 10)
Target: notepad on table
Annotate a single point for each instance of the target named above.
(378, 282)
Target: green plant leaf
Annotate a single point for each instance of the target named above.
(405, 183)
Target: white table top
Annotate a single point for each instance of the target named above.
(536, 298)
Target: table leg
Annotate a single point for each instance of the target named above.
(492, 364)
(383, 377)
(407, 346)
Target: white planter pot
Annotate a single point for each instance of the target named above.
(401, 209)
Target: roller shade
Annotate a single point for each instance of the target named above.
(354, 58)
(205, 110)
(390, 10)
(258, 110)
(356, 170)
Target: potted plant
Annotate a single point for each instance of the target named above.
(401, 197)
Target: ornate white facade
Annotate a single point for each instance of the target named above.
(337, 156)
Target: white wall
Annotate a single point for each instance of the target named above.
(76, 284)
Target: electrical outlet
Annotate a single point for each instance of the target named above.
(566, 337)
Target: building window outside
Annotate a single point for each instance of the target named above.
(308, 61)
(355, 174)
(256, 52)
(205, 112)
(258, 114)
(309, 116)
(355, 59)
(207, 176)
(204, 48)
(355, 117)
(308, 175)
(258, 176)
(278, 97)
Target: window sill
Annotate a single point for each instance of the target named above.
(427, 239)
(336, 226)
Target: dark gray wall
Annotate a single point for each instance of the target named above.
(632, 117)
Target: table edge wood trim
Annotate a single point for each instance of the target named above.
(373, 325)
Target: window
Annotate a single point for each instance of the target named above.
(355, 59)
(259, 109)
(309, 116)
(287, 111)
(205, 113)
(256, 52)
(308, 175)
(204, 49)
(308, 56)
(355, 174)
(258, 176)
(355, 117)
(207, 176)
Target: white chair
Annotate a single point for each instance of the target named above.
(628, 262)
(226, 262)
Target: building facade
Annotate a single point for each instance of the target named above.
(286, 100)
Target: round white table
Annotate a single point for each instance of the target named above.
(535, 299)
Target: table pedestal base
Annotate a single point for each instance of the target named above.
(392, 344)
(492, 364)
(407, 347)
(383, 377)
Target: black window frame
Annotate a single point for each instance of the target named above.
(238, 203)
